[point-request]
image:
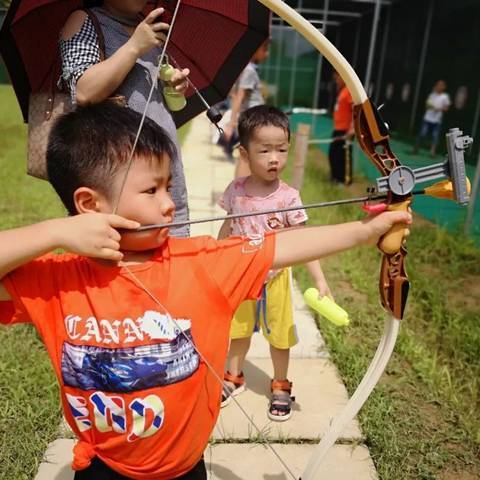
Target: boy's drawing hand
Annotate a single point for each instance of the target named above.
(379, 225)
(149, 33)
(95, 235)
(179, 80)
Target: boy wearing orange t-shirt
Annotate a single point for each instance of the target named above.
(136, 323)
(340, 152)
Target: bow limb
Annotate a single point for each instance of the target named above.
(363, 391)
(373, 138)
(323, 45)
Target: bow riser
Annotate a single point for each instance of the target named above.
(394, 284)
(373, 138)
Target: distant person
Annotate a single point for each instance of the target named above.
(438, 102)
(248, 94)
(340, 152)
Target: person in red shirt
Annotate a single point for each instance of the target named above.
(136, 323)
(340, 152)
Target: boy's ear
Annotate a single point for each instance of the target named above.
(243, 152)
(88, 200)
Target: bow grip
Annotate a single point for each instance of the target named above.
(392, 241)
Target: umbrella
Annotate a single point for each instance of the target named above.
(215, 39)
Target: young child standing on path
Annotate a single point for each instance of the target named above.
(132, 46)
(264, 143)
(136, 324)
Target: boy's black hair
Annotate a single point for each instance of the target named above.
(261, 116)
(87, 147)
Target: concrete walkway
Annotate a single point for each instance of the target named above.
(236, 453)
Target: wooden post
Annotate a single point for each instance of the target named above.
(301, 148)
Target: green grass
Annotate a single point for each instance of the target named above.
(423, 420)
(29, 399)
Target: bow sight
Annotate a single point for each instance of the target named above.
(402, 180)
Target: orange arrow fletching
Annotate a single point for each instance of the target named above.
(444, 189)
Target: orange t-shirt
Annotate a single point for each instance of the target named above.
(343, 111)
(134, 390)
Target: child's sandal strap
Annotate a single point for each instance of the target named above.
(237, 380)
(284, 385)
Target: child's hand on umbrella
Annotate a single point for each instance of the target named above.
(150, 33)
(179, 80)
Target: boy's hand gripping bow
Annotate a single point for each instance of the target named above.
(398, 182)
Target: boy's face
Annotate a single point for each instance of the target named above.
(267, 152)
(145, 198)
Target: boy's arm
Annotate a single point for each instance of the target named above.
(92, 235)
(21, 245)
(315, 269)
(225, 230)
(316, 272)
(302, 245)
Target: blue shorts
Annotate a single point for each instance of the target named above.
(430, 129)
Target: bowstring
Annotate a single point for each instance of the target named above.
(144, 288)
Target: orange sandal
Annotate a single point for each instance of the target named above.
(280, 403)
(228, 392)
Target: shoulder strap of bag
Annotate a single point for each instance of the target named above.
(98, 31)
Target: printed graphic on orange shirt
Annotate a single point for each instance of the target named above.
(142, 418)
(127, 369)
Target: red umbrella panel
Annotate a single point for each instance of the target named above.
(215, 39)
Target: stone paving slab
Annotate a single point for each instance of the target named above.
(57, 460)
(320, 396)
(207, 173)
(256, 462)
